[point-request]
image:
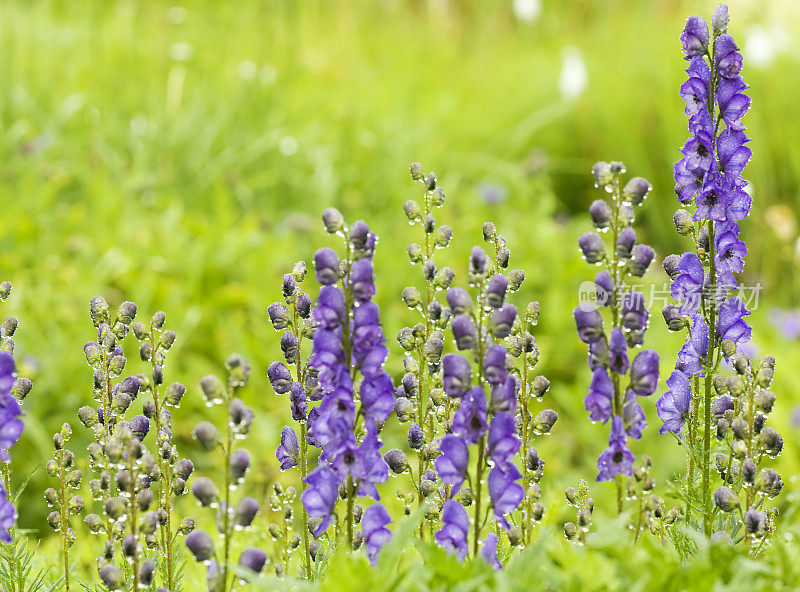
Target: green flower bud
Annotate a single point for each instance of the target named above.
(412, 210)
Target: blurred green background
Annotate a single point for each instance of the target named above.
(180, 156)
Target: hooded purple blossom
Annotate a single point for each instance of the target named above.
(504, 491)
(605, 288)
(459, 301)
(589, 324)
(601, 394)
(319, 499)
(452, 463)
(592, 247)
(455, 527)
(598, 354)
(288, 453)
(502, 443)
(616, 459)
(730, 322)
(369, 349)
(456, 375)
(618, 352)
(644, 373)
(696, 347)
(503, 398)
(326, 264)
(687, 287)
(333, 427)
(727, 58)
(501, 321)
(299, 403)
(695, 37)
(10, 425)
(673, 406)
(8, 516)
(377, 399)
(363, 463)
(494, 364)
(633, 416)
(464, 332)
(373, 527)
(362, 280)
(470, 419)
(634, 311)
(489, 551)
(496, 290)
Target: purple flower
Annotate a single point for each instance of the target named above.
(673, 406)
(732, 153)
(633, 416)
(319, 499)
(494, 364)
(727, 58)
(733, 103)
(696, 90)
(496, 290)
(503, 398)
(8, 371)
(464, 332)
(730, 322)
(641, 257)
(695, 37)
(459, 301)
(452, 463)
(369, 351)
(601, 394)
(470, 419)
(489, 551)
(592, 247)
(362, 280)
(687, 287)
(729, 253)
(618, 352)
(501, 321)
(279, 377)
(330, 309)
(377, 399)
(605, 288)
(373, 527)
(616, 459)
(598, 354)
(332, 429)
(10, 425)
(644, 373)
(456, 375)
(696, 347)
(589, 324)
(8, 516)
(326, 263)
(373, 469)
(502, 443)
(288, 453)
(505, 492)
(455, 527)
(634, 312)
(298, 402)
(625, 242)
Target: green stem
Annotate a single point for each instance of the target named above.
(476, 535)
(708, 395)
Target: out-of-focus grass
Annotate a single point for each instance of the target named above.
(179, 157)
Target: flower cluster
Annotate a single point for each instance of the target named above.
(710, 186)
(230, 517)
(492, 402)
(609, 358)
(12, 391)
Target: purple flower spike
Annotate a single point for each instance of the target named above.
(319, 499)
(505, 492)
(288, 453)
(618, 352)
(616, 459)
(644, 373)
(452, 463)
(470, 419)
(489, 551)
(457, 375)
(455, 527)
(601, 394)
(673, 406)
(373, 527)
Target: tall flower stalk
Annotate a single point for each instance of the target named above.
(154, 343)
(230, 517)
(618, 378)
(356, 392)
(710, 186)
(293, 320)
(420, 393)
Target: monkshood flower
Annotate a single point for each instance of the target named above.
(609, 359)
(10, 411)
(319, 499)
(489, 551)
(673, 406)
(452, 463)
(375, 533)
(455, 527)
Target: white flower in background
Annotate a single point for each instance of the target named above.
(763, 45)
(527, 10)
(574, 76)
(247, 70)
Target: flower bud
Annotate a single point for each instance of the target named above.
(764, 401)
(207, 434)
(719, 20)
(213, 389)
(592, 247)
(600, 213)
(112, 576)
(602, 173)
(246, 511)
(766, 371)
(540, 386)
(333, 220)
(749, 470)
(252, 559)
(5, 290)
(755, 522)
(279, 377)
(397, 461)
(200, 545)
(570, 530)
(625, 242)
(636, 190)
(464, 332)
(673, 318)
(459, 301)
(501, 321)
(204, 490)
(544, 422)
(725, 499)
(641, 257)
(496, 291)
(769, 482)
(412, 297)
(771, 442)
(115, 507)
